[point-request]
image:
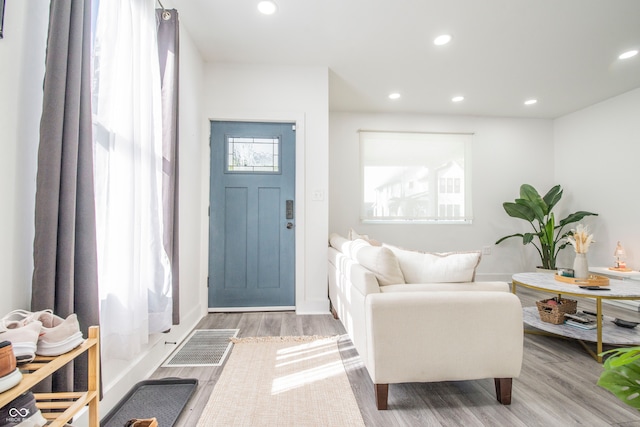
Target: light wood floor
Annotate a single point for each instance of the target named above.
(557, 386)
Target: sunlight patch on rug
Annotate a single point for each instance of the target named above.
(283, 381)
(306, 377)
(304, 352)
(319, 352)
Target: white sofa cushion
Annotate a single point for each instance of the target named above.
(348, 247)
(381, 261)
(428, 267)
(448, 287)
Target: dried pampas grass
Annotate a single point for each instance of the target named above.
(580, 239)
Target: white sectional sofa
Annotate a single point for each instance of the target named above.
(421, 317)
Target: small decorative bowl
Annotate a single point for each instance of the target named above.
(625, 323)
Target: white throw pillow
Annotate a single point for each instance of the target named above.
(428, 267)
(337, 241)
(347, 247)
(382, 262)
(354, 235)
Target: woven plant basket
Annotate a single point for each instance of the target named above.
(555, 313)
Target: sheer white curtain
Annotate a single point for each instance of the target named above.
(133, 268)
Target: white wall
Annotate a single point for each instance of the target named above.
(22, 52)
(597, 161)
(192, 282)
(271, 93)
(506, 153)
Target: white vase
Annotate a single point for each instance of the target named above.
(581, 267)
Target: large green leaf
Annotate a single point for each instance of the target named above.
(535, 208)
(620, 381)
(621, 356)
(552, 197)
(575, 217)
(621, 375)
(546, 235)
(527, 192)
(519, 211)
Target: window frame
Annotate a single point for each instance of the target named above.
(227, 166)
(366, 136)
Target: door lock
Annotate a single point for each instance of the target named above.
(289, 209)
(289, 225)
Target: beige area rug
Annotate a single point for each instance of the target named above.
(283, 381)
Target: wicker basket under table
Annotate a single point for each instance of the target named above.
(555, 313)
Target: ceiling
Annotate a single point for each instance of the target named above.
(564, 53)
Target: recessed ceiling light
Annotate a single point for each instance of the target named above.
(443, 39)
(530, 101)
(267, 7)
(457, 98)
(394, 95)
(628, 54)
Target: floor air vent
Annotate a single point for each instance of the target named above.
(204, 347)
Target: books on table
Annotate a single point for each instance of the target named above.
(591, 325)
(581, 320)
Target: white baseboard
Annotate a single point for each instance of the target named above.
(247, 309)
(314, 307)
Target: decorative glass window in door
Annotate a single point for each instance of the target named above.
(253, 154)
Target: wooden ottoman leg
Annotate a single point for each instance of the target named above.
(382, 393)
(503, 390)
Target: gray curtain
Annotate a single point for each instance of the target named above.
(64, 252)
(168, 42)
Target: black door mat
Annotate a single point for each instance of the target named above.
(162, 399)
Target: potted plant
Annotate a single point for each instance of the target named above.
(621, 375)
(537, 210)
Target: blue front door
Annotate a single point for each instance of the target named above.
(251, 224)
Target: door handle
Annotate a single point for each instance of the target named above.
(289, 225)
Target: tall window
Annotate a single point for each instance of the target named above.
(409, 177)
(134, 270)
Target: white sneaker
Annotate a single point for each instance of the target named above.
(57, 335)
(23, 338)
(11, 380)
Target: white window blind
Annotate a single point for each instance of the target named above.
(415, 177)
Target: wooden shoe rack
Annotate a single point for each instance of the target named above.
(59, 408)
